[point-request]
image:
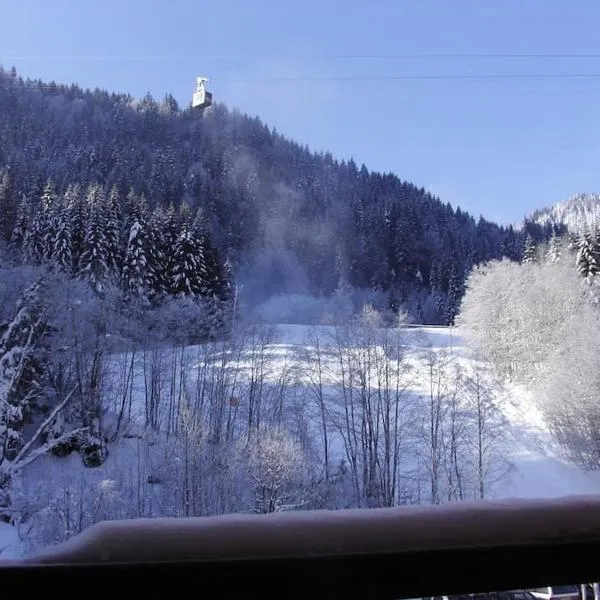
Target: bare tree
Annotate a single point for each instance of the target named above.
(396, 409)
(455, 436)
(257, 338)
(315, 375)
(276, 468)
(374, 411)
(433, 422)
(488, 437)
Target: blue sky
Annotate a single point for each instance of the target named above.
(500, 148)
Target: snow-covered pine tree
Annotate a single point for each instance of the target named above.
(62, 255)
(19, 371)
(134, 278)
(19, 382)
(185, 216)
(529, 251)
(455, 293)
(8, 207)
(216, 289)
(76, 210)
(587, 262)
(94, 260)
(20, 231)
(508, 243)
(199, 225)
(167, 235)
(438, 298)
(37, 242)
(227, 279)
(47, 220)
(441, 301)
(136, 208)
(188, 269)
(114, 245)
(419, 311)
(158, 254)
(554, 250)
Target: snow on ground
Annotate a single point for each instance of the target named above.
(539, 470)
(10, 544)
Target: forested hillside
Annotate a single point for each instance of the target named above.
(286, 219)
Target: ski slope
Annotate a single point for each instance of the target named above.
(539, 471)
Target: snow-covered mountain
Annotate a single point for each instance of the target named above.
(578, 213)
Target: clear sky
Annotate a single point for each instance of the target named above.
(497, 147)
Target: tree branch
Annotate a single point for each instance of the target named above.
(36, 436)
(27, 460)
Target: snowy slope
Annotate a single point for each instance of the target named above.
(10, 544)
(538, 471)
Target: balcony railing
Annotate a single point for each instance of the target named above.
(407, 552)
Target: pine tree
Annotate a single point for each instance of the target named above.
(20, 231)
(529, 251)
(47, 221)
(33, 244)
(135, 266)
(455, 293)
(572, 242)
(553, 253)
(217, 289)
(8, 213)
(19, 371)
(94, 260)
(39, 238)
(227, 280)
(185, 215)
(435, 278)
(188, 270)
(199, 226)
(587, 262)
(214, 283)
(158, 255)
(508, 244)
(420, 315)
(77, 211)
(62, 254)
(166, 232)
(441, 308)
(114, 245)
(136, 208)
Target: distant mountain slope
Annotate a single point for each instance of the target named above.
(578, 213)
(291, 220)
